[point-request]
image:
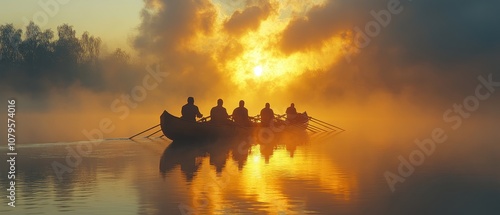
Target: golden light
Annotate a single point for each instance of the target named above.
(256, 59)
(257, 71)
(262, 180)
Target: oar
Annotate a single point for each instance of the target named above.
(253, 118)
(311, 128)
(321, 126)
(319, 121)
(204, 119)
(316, 127)
(279, 116)
(153, 133)
(324, 123)
(144, 131)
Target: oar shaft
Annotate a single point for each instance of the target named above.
(323, 122)
(204, 119)
(144, 131)
(323, 126)
(312, 129)
(327, 123)
(316, 127)
(279, 116)
(153, 133)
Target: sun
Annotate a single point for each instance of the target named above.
(257, 71)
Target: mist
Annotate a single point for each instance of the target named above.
(427, 58)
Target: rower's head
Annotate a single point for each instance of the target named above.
(268, 105)
(190, 100)
(219, 102)
(242, 103)
(292, 105)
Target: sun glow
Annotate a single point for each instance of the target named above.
(261, 62)
(255, 58)
(257, 71)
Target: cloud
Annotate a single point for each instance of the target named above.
(166, 34)
(169, 24)
(211, 48)
(432, 50)
(322, 22)
(445, 31)
(427, 57)
(247, 20)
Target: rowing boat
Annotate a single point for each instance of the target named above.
(176, 128)
(179, 129)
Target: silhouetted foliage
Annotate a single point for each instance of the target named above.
(37, 48)
(90, 48)
(35, 61)
(10, 40)
(120, 56)
(67, 47)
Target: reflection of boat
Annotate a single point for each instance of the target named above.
(188, 153)
(176, 128)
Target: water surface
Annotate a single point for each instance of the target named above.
(341, 174)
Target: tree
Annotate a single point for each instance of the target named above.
(10, 40)
(39, 62)
(67, 47)
(90, 48)
(120, 56)
(45, 51)
(37, 47)
(30, 44)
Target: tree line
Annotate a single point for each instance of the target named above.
(36, 57)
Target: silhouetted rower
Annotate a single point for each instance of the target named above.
(218, 114)
(190, 111)
(240, 115)
(291, 113)
(266, 115)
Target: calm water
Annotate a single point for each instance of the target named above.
(343, 174)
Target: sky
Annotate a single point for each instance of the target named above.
(386, 63)
(114, 21)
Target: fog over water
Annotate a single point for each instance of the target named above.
(415, 85)
(414, 69)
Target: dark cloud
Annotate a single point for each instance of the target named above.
(169, 24)
(445, 31)
(167, 28)
(247, 20)
(441, 30)
(432, 51)
(442, 44)
(323, 22)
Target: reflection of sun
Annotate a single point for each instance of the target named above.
(257, 71)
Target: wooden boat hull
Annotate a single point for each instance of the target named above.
(175, 128)
(178, 129)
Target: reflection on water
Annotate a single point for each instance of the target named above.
(232, 176)
(291, 175)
